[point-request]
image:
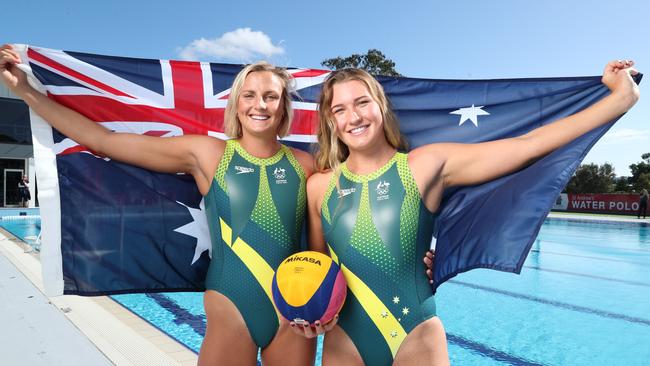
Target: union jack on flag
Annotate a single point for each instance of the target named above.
(109, 227)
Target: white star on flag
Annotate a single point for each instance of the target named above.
(198, 228)
(470, 113)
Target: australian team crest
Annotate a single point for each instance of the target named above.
(382, 190)
(280, 175)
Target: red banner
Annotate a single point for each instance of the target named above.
(598, 203)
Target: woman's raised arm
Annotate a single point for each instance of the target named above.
(468, 164)
(193, 154)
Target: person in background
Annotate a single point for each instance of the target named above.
(23, 191)
(643, 203)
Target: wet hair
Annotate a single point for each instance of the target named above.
(232, 125)
(332, 151)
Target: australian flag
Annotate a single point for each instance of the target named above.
(110, 228)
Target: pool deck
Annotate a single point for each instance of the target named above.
(75, 330)
(597, 217)
(71, 330)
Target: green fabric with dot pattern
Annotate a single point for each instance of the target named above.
(379, 228)
(263, 201)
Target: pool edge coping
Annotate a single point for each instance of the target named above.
(123, 337)
(594, 218)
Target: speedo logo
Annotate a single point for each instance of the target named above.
(347, 191)
(303, 259)
(243, 169)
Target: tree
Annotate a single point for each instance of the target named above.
(374, 61)
(640, 178)
(622, 185)
(592, 178)
(646, 157)
(642, 182)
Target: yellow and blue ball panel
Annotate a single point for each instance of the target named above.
(308, 286)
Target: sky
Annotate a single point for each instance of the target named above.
(471, 39)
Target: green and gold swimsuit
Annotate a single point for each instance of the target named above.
(378, 229)
(255, 210)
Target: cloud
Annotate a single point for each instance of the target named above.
(625, 135)
(242, 45)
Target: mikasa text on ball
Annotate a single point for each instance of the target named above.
(309, 286)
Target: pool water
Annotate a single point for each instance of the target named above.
(22, 223)
(583, 298)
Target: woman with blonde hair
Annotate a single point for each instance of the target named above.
(375, 205)
(255, 219)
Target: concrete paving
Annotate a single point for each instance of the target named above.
(33, 331)
(71, 330)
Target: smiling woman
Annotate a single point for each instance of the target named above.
(261, 104)
(366, 94)
(255, 220)
(387, 215)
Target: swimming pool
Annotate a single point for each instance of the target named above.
(22, 223)
(583, 298)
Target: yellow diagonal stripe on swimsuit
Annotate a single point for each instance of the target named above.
(255, 263)
(335, 258)
(384, 320)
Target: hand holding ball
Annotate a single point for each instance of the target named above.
(309, 286)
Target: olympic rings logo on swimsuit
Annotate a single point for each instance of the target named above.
(382, 190)
(279, 174)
